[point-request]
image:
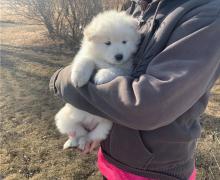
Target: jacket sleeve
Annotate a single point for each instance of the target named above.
(174, 81)
(60, 84)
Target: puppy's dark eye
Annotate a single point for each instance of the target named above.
(124, 42)
(108, 43)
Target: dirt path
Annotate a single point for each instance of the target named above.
(31, 147)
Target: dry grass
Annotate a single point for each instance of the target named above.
(31, 147)
(208, 151)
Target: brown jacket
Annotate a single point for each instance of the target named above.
(156, 110)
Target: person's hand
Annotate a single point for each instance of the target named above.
(91, 146)
(87, 144)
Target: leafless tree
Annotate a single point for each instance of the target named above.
(63, 19)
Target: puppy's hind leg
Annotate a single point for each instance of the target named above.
(68, 121)
(101, 131)
(75, 136)
(71, 142)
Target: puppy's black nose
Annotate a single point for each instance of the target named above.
(118, 57)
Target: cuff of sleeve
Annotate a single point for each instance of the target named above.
(53, 79)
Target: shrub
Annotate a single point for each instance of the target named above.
(64, 19)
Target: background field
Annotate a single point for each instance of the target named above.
(31, 147)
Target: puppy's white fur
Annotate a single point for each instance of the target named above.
(107, 47)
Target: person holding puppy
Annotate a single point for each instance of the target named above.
(155, 111)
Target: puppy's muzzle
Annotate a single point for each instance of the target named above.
(118, 57)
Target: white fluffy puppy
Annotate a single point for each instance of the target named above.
(109, 42)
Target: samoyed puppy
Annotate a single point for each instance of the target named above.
(109, 42)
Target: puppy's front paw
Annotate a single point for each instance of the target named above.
(79, 79)
(103, 76)
(70, 143)
(99, 80)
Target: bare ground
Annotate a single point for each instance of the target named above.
(31, 147)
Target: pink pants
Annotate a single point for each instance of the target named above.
(113, 173)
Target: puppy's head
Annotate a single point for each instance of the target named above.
(112, 36)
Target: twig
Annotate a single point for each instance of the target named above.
(215, 161)
(213, 177)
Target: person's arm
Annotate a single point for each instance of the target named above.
(60, 84)
(173, 82)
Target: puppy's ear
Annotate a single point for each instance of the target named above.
(131, 20)
(90, 33)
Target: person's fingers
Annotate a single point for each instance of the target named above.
(87, 147)
(95, 144)
(90, 146)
